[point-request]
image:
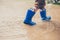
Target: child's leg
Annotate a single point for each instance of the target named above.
(44, 16)
(41, 6)
(30, 13)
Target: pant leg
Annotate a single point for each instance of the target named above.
(40, 4)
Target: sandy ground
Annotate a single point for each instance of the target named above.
(12, 13)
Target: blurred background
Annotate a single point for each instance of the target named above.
(53, 1)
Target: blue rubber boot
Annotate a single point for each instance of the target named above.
(43, 15)
(28, 19)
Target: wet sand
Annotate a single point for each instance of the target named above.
(12, 14)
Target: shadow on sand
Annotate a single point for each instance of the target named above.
(44, 27)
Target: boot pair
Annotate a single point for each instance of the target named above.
(30, 14)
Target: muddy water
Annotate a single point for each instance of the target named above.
(12, 13)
